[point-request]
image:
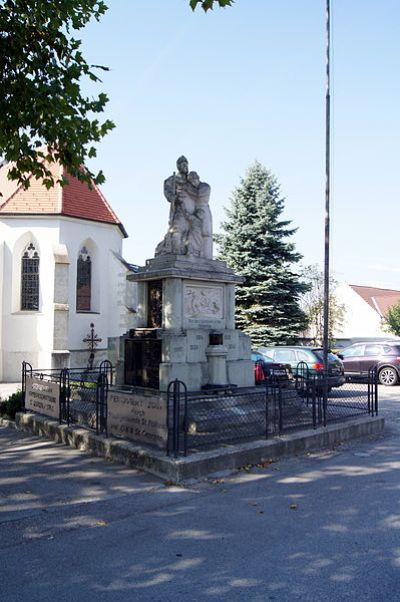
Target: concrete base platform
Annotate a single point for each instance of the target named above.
(199, 464)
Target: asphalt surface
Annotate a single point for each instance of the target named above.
(318, 527)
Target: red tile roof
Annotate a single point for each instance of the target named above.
(380, 299)
(75, 199)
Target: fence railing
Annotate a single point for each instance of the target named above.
(220, 418)
(82, 393)
(207, 419)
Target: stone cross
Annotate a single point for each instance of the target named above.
(92, 341)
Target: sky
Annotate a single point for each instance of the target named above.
(248, 83)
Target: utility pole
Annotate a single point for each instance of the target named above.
(327, 197)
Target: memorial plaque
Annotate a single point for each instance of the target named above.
(203, 302)
(137, 417)
(42, 396)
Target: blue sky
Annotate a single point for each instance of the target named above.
(245, 83)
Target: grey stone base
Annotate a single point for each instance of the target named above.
(204, 463)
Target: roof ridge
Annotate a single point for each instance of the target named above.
(107, 204)
(93, 204)
(376, 288)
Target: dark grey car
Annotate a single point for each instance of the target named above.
(313, 357)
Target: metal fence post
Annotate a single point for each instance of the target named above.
(26, 366)
(370, 392)
(280, 410)
(373, 391)
(65, 392)
(174, 390)
(101, 403)
(23, 384)
(314, 404)
(106, 368)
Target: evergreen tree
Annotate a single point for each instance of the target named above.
(254, 244)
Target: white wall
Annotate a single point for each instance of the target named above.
(360, 320)
(29, 335)
(26, 334)
(1, 304)
(101, 240)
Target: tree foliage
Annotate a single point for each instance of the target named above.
(391, 320)
(312, 303)
(209, 4)
(43, 114)
(254, 242)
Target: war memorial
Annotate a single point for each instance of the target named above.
(185, 324)
(176, 396)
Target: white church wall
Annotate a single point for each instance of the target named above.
(100, 240)
(29, 335)
(1, 306)
(26, 335)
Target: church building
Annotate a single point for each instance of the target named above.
(61, 271)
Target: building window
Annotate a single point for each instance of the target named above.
(30, 279)
(83, 281)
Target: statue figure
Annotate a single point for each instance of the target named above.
(202, 213)
(190, 222)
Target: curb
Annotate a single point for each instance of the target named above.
(203, 463)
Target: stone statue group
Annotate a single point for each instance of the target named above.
(190, 221)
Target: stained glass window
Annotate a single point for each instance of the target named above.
(83, 281)
(30, 279)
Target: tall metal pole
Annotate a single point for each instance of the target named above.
(327, 189)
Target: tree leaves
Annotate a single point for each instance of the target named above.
(209, 4)
(391, 320)
(44, 117)
(312, 303)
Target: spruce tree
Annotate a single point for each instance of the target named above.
(254, 243)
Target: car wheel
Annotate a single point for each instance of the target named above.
(388, 376)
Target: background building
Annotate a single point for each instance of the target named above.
(365, 306)
(61, 269)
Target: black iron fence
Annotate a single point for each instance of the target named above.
(212, 418)
(82, 393)
(220, 418)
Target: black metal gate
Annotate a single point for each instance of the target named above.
(83, 393)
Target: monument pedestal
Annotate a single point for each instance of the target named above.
(186, 305)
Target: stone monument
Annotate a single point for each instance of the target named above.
(185, 321)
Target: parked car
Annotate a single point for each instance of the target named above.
(360, 357)
(266, 369)
(313, 357)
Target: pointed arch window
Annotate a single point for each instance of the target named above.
(84, 281)
(30, 279)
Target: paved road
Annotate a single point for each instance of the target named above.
(319, 527)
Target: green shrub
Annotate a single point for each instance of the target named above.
(9, 407)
